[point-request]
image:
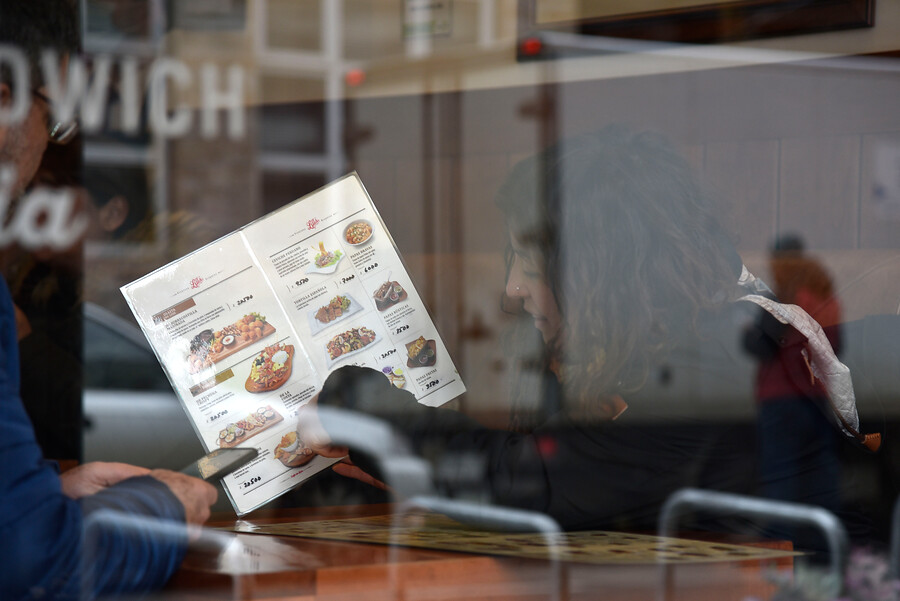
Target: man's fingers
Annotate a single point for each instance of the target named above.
(113, 473)
(212, 494)
(195, 495)
(91, 478)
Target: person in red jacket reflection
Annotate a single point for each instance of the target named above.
(797, 443)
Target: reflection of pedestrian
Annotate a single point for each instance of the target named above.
(797, 445)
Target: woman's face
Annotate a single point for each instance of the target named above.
(527, 281)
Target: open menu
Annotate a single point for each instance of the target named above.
(248, 328)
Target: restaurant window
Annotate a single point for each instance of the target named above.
(657, 247)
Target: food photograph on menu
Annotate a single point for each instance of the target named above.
(347, 343)
(252, 424)
(338, 308)
(421, 353)
(359, 232)
(389, 294)
(292, 452)
(271, 368)
(395, 375)
(211, 346)
(325, 261)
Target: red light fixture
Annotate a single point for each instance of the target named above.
(355, 77)
(531, 46)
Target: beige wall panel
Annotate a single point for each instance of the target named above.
(215, 181)
(879, 223)
(410, 231)
(484, 359)
(387, 127)
(665, 104)
(819, 190)
(483, 226)
(502, 121)
(380, 179)
(743, 176)
(423, 196)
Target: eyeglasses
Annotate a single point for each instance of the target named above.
(57, 131)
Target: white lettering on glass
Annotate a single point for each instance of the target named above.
(231, 99)
(161, 122)
(77, 89)
(85, 92)
(44, 218)
(130, 93)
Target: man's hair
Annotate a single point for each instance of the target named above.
(37, 25)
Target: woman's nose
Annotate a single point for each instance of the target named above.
(514, 284)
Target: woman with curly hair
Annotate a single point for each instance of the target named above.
(612, 231)
(619, 261)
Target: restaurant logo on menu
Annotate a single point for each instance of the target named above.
(195, 283)
(312, 223)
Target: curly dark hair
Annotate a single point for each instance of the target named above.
(37, 25)
(632, 249)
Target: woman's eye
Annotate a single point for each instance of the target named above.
(527, 267)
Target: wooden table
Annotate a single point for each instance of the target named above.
(226, 565)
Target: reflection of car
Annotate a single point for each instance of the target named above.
(130, 410)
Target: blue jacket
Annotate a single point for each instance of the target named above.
(57, 548)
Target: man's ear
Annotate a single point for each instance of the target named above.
(113, 214)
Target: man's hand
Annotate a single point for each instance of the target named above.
(196, 495)
(314, 436)
(91, 478)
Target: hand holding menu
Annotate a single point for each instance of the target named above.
(248, 328)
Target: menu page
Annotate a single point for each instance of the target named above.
(249, 327)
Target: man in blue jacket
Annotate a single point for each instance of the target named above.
(101, 528)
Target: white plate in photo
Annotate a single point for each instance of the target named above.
(329, 268)
(358, 232)
(316, 326)
(346, 354)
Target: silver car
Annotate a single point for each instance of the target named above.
(131, 413)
